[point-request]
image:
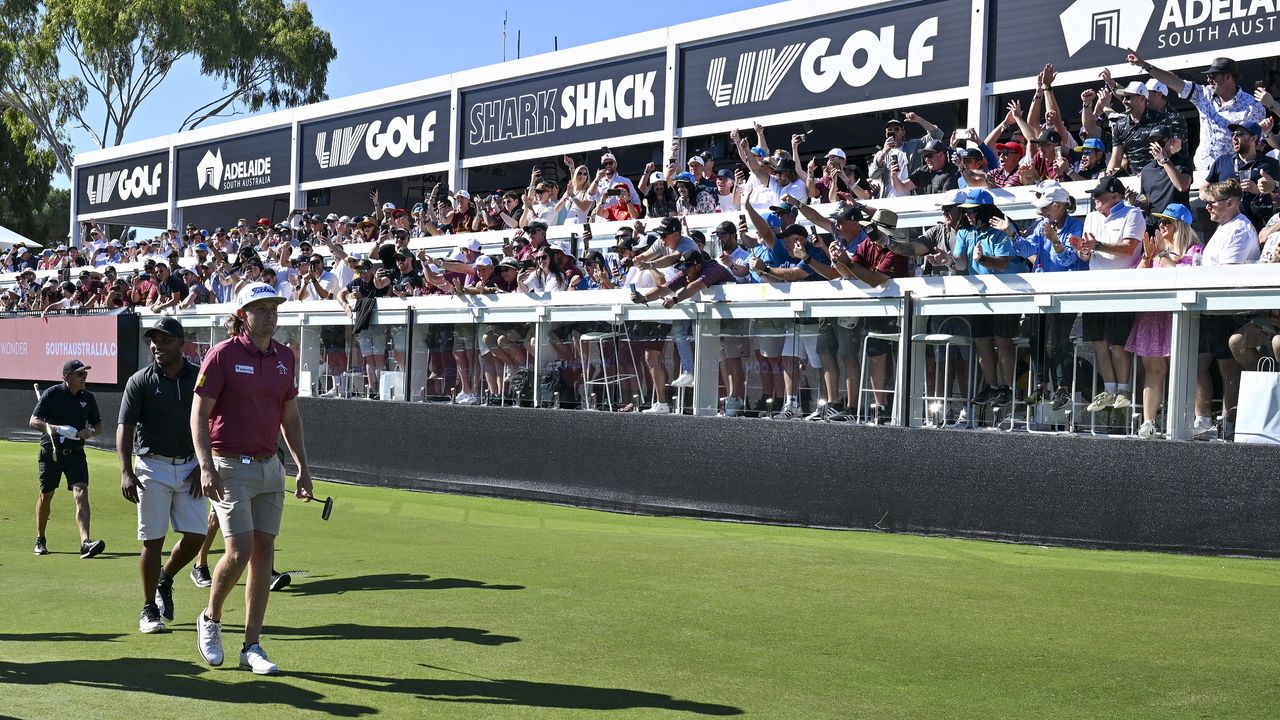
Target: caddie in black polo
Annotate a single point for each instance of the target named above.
(66, 415)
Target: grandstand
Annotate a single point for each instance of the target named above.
(827, 83)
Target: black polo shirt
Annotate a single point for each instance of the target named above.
(1159, 189)
(161, 410)
(58, 406)
(930, 182)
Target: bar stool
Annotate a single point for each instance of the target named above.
(1135, 408)
(608, 377)
(890, 337)
(942, 384)
(1020, 345)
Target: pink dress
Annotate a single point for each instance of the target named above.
(1152, 332)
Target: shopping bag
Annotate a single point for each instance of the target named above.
(391, 385)
(1258, 414)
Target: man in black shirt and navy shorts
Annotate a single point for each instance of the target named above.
(66, 415)
(164, 479)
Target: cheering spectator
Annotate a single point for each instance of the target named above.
(691, 199)
(1009, 173)
(1247, 165)
(659, 199)
(604, 190)
(1166, 180)
(983, 248)
(1173, 243)
(1113, 234)
(1221, 103)
(936, 175)
(615, 205)
(1158, 101)
(899, 154)
(1131, 132)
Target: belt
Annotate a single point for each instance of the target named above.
(246, 459)
(180, 460)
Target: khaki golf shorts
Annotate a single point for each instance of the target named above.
(165, 498)
(253, 497)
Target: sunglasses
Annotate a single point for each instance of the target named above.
(1241, 134)
(1163, 221)
(1211, 203)
(1004, 153)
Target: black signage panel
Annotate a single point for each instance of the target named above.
(121, 184)
(898, 49)
(1081, 34)
(591, 103)
(401, 136)
(233, 165)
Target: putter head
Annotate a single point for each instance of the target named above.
(328, 509)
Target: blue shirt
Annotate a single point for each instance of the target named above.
(773, 254)
(994, 244)
(1037, 245)
(814, 254)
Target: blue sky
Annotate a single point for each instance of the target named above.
(423, 40)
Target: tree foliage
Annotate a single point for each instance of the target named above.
(24, 188)
(264, 52)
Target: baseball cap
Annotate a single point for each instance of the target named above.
(773, 220)
(1093, 144)
(202, 246)
(951, 197)
(608, 156)
(966, 153)
(784, 207)
(263, 222)
(363, 264)
(388, 206)
(1250, 127)
(695, 160)
(1155, 86)
(848, 212)
(535, 225)
(684, 177)
(893, 121)
(759, 151)
(976, 197)
(657, 176)
(933, 146)
(484, 260)
(167, 326)
(254, 292)
(726, 228)
(330, 217)
(1047, 136)
(725, 173)
(1052, 195)
(1137, 87)
(1175, 211)
(462, 193)
(1014, 147)
(667, 226)
(1109, 184)
(473, 245)
(836, 152)
(689, 258)
(794, 229)
(74, 366)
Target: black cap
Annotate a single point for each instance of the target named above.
(1223, 65)
(933, 146)
(1159, 133)
(784, 207)
(1048, 136)
(849, 212)
(667, 226)
(785, 165)
(726, 228)
(1109, 184)
(535, 226)
(893, 121)
(71, 367)
(706, 155)
(167, 326)
(725, 173)
(689, 258)
(794, 229)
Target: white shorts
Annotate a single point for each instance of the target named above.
(769, 335)
(165, 498)
(803, 343)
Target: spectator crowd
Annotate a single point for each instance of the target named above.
(772, 233)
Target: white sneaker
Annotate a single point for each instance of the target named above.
(1147, 431)
(660, 408)
(255, 658)
(685, 380)
(962, 421)
(150, 621)
(467, 399)
(209, 639)
(732, 406)
(1121, 401)
(1101, 401)
(789, 411)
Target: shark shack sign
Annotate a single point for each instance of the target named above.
(240, 164)
(402, 136)
(898, 49)
(592, 103)
(1080, 34)
(133, 182)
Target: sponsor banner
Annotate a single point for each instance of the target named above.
(136, 181)
(401, 136)
(35, 349)
(592, 103)
(1082, 34)
(898, 49)
(235, 165)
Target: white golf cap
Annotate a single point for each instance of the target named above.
(836, 152)
(951, 197)
(462, 193)
(608, 156)
(1154, 85)
(253, 292)
(388, 206)
(1052, 195)
(484, 260)
(695, 160)
(1134, 88)
(473, 245)
(658, 177)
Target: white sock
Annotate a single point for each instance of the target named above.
(1124, 388)
(792, 400)
(1203, 420)
(1109, 387)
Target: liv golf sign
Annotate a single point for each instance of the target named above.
(401, 136)
(128, 183)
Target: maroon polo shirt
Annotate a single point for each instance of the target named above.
(249, 389)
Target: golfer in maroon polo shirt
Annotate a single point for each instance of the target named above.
(245, 395)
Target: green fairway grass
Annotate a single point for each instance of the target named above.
(438, 606)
